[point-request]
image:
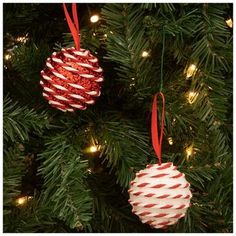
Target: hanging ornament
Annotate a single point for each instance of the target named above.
(72, 77)
(159, 194)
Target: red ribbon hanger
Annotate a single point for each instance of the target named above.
(73, 25)
(156, 139)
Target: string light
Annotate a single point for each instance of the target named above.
(23, 200)
(192, 96)
(7, 56)
(105, 35)
(190, 71)
(93, 148)
(22, 39)
(132, 85)
(229, 22)
(94, 18)
(216, 123)
(111, 32)
(145, 54)
(170, 140)
(189, 152)
(94, 34)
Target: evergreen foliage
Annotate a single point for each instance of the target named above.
(76, 190)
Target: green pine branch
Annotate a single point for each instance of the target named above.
(64, 188)
(19, 121)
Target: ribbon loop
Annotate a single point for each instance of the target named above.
(156, 139)
(74, 26)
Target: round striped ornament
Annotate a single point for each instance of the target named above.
(160, 195)
(71, 79)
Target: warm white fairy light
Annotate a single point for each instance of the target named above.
(7, 56)
(105, 35)
(229, 22)
(22, 39)
(93, 148)
(145, 54)
(191, 70)
(23, 200)
(192, 96)
(170, 140)
(94, 18)
(189, 152)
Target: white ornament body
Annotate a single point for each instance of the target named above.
(160, 195)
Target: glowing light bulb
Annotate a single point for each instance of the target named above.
(229, 22)
(94, 18)
(170, 140)
(23, 200)
(191, 70)
(191, 97)
(145, 54)
(22, 39)
(93, 149)
(189, 152)
(105, 35)
(8, 56)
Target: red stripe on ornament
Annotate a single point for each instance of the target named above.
(177, 196)
(164, 196)
(175, 186)
(177, 215)
(136, 203)
(160, 215)
(137, 193)
(149, 195)
(145, 213)
(158, 176)
(149, 222)
(142, 185)
(164, 223)
(188, 196)
(165, 166)
(177, 176)
(142, 174)
(166, 206)
(180, 207)
(158, 186)
(149, 205)
(187, 185)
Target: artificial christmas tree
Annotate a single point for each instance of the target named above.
(70, 172)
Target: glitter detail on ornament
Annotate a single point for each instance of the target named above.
(160, 195)
(71, 79)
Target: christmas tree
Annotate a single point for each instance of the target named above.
(71, 171)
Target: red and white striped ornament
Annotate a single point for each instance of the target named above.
(71, 79)
(160, 195)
